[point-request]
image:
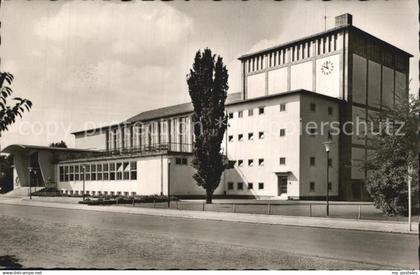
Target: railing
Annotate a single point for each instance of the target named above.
(344, 210)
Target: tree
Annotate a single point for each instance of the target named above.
(10, 107)
(60, 144)
(394, 155)
(207, 86)
(6, 173)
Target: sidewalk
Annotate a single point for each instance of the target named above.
(321, 222)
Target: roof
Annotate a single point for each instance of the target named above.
(300, 91)
(173, 110)
(313, 36)
(22, 147)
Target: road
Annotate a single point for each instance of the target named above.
(383, 250)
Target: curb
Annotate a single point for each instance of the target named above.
(315, 222)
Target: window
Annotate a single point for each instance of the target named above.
(105, 173)
(329, 186)
(230, 115)
(230, 138)
(261, 110)
(250, 162)
(71, 176)
(112, 193)
(106, 193)
(133, 170)
(313, 107)
(61, 173)
(282, 132)
(261, 185)
(77, 192)
(261, 162)
(230, 185)
(112, 171)
(93, 193)
(312, 186)
(76, 173)
(178, 161)
(312, 161)
(240, 162)
(99, 171)
(250, 112)
(126, 194)
(282, 161)
(240, 114)
(119, 193)
(283, 107)
(93, 172)
(250, 136)
(330, 162)
(66, 173)
(133, 193)
(240, 137)
(119, 170)
(87, 172)
(250, 186)
(330, 110)
(126, 172)
(184, 161)
(261, 135)
(240, 186)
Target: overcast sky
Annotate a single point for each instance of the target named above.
(100, 62)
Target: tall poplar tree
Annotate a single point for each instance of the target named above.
(207, 86)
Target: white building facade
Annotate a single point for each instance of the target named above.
(292, 96)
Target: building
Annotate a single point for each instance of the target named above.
(341, 75)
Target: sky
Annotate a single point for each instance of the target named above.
(88, 64)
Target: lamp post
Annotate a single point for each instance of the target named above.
(169, 183)
(84, 192)
(327, 145)
(30, 189)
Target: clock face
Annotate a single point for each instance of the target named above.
(327, 67)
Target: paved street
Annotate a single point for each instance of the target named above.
(192, 243)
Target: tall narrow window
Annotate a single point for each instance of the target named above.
(99, 171)
(119, 171)
(76, 173)
(112, 171)
(126, 172)
(282, 161)
(105, 174)
(282, 132)
(312, 161)
(282, 107)
(93, 172)
(133, 170)
(312, 186)
(87, 172)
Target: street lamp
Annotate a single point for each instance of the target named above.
(30, 189)
(327, 145)
(169, 183)
(84, 192)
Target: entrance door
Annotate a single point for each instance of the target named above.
(282, 185)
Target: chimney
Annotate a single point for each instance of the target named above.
(343, 20)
